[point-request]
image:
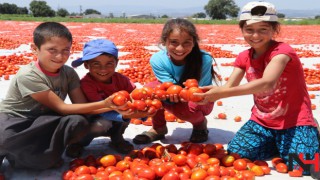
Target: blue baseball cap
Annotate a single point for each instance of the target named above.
(95, 48)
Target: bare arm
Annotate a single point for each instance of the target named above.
(52, 101)
(267, 83)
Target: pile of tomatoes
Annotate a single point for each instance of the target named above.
(168, 162)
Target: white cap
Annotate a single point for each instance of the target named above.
(248, 12)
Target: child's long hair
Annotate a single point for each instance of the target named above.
(193, 60)
(45, 31)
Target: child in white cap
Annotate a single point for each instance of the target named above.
(281, 119)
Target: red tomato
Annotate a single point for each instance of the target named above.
(156, 103)
(161, 94)
(276, 161)
(219, 103)
(149, 91)
(260, 163)
(108, 160)
(82, 170)
(227, 160)
(122, 165)
(222, 116)
(147, 173)
(171, 175)
(174, 89)
(214, 170)
(282, 168)
(180, 159)
(125, 93)
(184, 94)
(194, 90)
(166, 85)
(199, 174)
(139, 94)
(119, 100)
(139, 105)
(209, 149)
(161, 170)
(257, 170)
(65, 176)
(240, 164)
(191, 83)
(84, 177)
(247, 175)
(295, 173)
(237, 118)
(266, 170)
(195, 149)
(171, 148)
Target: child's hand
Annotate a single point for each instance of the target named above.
(210, 94)
(174, 98)
(138, 114)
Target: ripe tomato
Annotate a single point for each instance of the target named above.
(199, 174)
(139, 105)
(260, 163)
(125, 93)
(108, 160)
(174, 89)
(160, 94)
(171, 148)
(180, 159)
(65, 176)
(295, 173)
(84, 177)
(282, 168)
(195, 149)
(214, 170)
(149, 91)
(184, 94)
(156, 103)
(219, 103)
(213, 161)
(247, 174)
(147, 173)
(122, 165)
(191, 83)
(161, 170)
(82, 170)
(139, 94)
(222, 116)
(227, 160)
(193, 97)
(266, 170)
(276, 161)
(257, 170)
(119, 100)
(209, 149)
(237, 118)
(166, 85)
(240, 164)
(171, 175)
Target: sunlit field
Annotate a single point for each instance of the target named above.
(136, 43)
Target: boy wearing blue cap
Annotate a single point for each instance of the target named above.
(100, 57)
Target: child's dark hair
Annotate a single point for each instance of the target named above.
(47, 30)
(193, 64)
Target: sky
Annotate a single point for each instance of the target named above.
(107, 6)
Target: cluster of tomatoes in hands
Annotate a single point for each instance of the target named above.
(149, 99)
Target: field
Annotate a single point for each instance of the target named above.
(136, 43)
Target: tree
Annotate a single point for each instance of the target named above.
(62, 12)
(164, 16)
(280, 15)
(7, 8)
(22, 10)
(317, 17)
(41, 9)
(219, 9)
(199, 15)
(91, 11)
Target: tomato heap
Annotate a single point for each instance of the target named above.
(167, 162)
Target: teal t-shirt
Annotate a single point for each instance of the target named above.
(166, 71)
